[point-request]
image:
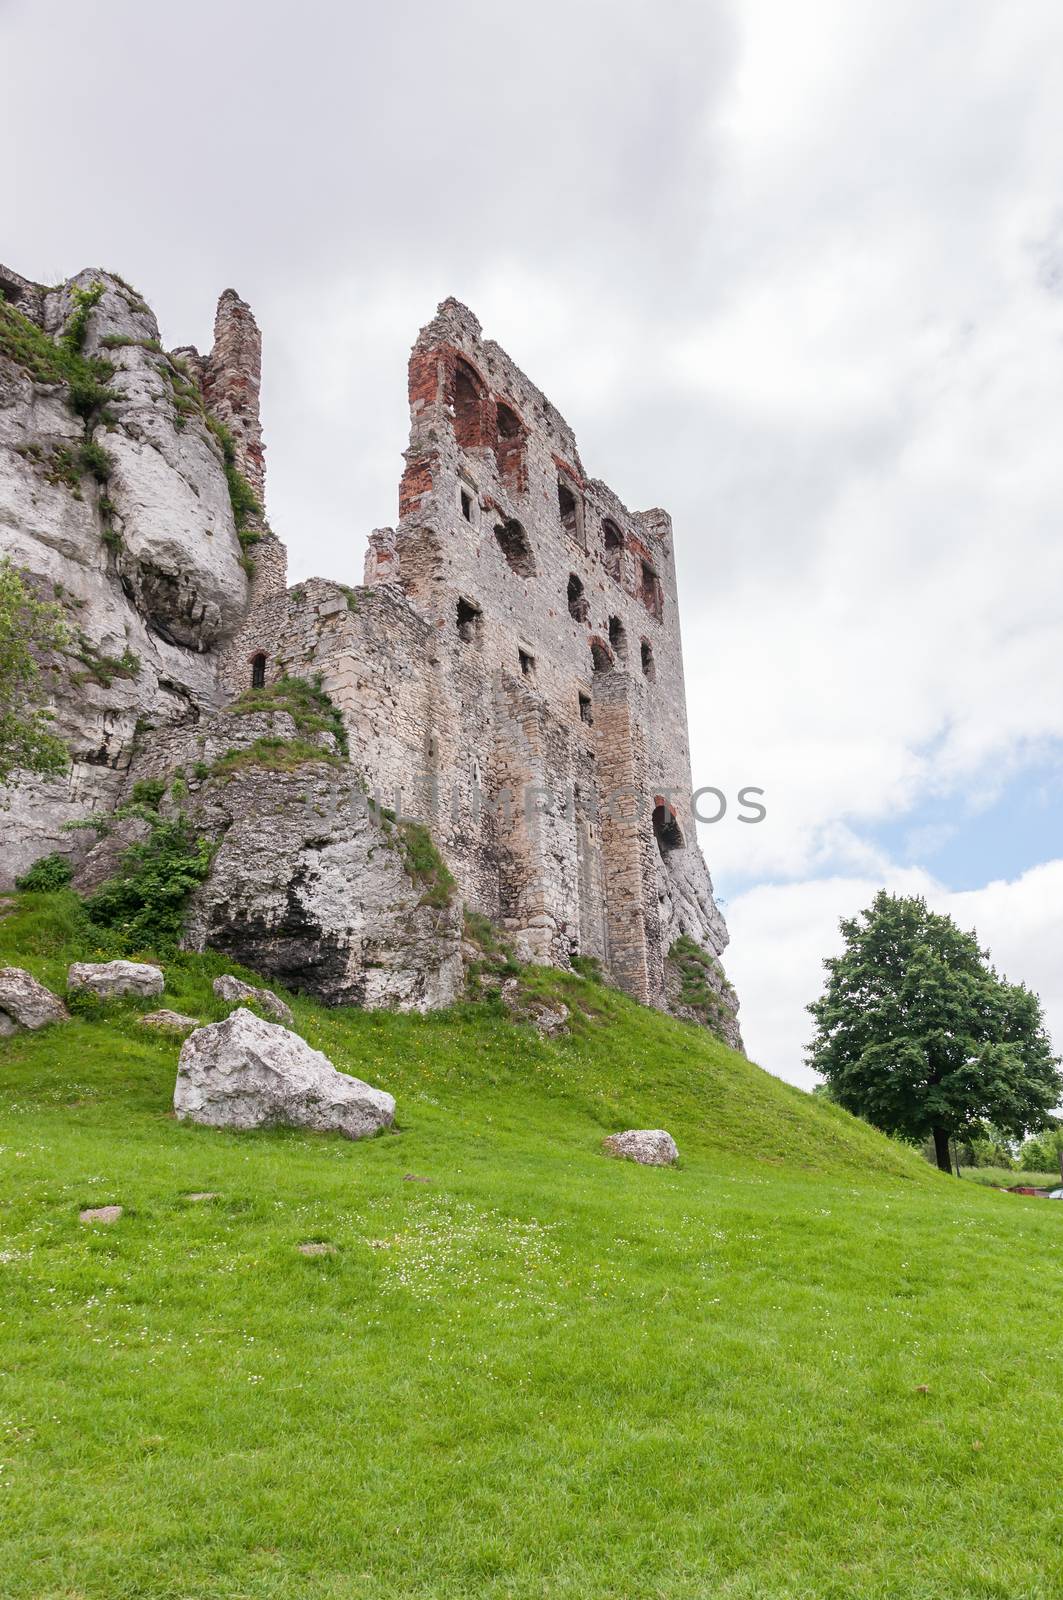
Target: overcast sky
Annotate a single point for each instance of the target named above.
(794, 272)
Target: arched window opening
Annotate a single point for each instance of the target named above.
(666, 829)
(614, 548)
(617, 638)
(509, 448)
(470, 622)
(650, 592)
(601, 656)
(578, 607)
(258, 671)
(570, 508)
(468, 407)
(515, 546)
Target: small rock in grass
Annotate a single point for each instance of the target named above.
(25, 1003)
(650, 1147)
(413, 1177)
(317, 1249)
(109, 978)
(202, 1194)
(173, 1021)
(100, 1214)
(234, 989)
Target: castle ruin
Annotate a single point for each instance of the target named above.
(509, 672)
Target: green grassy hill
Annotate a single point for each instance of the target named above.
(803, 1364)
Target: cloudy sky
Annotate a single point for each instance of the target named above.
(795, 272)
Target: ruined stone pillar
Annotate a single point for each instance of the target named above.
(232, 377)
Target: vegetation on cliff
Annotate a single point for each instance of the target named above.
(29, 628)
(802, 1363)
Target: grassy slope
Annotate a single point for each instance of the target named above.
(543, 1373)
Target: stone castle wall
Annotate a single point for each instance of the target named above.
(517, 634)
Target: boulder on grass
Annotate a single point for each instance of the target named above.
(650, 1147)
(230, 988)
(110, 978)
(247, 1073)
(25, 1003)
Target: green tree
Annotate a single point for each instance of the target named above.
(917, 1034)
(29, 627)
(1041, 1153)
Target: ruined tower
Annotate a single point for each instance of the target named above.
(512, 672)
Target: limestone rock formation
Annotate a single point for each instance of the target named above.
(650, 1147)
(108, 979)
(247, 1073)
(25, 1003)
(120, 511)
(309, 887)
(235, 990)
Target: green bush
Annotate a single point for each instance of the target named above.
(306, 703)
(47, 874)
(72, 338)
(144, 902)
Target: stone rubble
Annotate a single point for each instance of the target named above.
(174, 1021)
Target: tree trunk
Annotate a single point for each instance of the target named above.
(941, 1150)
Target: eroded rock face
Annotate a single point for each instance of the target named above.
(235, 990)
(109, 979)
(25, 1003)
(308, 888)
(650, 1147)
(247, 1073)
(146, 565)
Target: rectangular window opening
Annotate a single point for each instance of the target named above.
(470, 622)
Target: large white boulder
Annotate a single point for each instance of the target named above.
(247, 1073)
(109, 978)
(25, 1003)
(650, 1147)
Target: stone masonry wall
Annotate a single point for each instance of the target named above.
(517, 634)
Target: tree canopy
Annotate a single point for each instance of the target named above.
(29, 627)
(916, 1032)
